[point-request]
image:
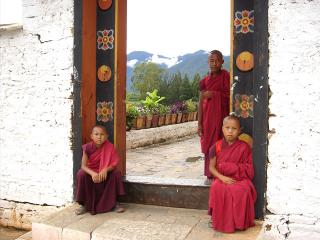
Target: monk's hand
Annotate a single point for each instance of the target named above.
(103, 175)
(227, 180)
(200, 131)
(206, 94)
(95, 178)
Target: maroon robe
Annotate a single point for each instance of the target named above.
(99, 197)
(214, 110)
(232, 205)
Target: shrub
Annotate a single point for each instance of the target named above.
(191, 106)
(131, 114)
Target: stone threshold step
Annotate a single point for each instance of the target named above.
(138, 222)
(169, 192)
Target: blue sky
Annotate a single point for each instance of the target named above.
(175, 27)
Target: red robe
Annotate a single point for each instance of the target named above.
(214, 110)
(99, 197)
(232, 205)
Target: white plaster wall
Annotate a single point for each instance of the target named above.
(293, 171)
(35, 105)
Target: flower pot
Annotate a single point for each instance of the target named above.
(161, 120)
(140, 122)
(179, 117)
(195, 116)
(167, 120)
(148, 121)
(134, 125)
(184, 117)
(190, 116)
(174, 118)
(154, 122)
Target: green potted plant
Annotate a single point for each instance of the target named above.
(152, 104)
(131, 115)
(141, 118)
(191, 108)
(149, 114)
(162, 114)
(167, 120)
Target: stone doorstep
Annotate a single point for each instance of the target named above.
(138, 222)
(169, 192)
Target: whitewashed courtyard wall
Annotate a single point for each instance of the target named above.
(294, 159)
(36, 63)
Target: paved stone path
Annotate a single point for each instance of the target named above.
(180, 159)
(138, 222)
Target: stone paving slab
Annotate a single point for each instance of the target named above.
(138, 222)
(181, 160)
(124, 229)
(51, 228)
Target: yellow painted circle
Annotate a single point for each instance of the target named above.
(245, 61)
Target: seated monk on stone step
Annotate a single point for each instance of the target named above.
(99, 182)
(232, 194)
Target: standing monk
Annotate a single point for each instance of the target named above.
(213, 106)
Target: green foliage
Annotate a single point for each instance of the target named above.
(146, 76)
(152, 101)
(163, 109)
(191, 106)
(131, 114)
(172, 87)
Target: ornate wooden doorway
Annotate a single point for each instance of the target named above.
(100, 80)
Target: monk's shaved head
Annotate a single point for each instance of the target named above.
(101, 127)
(217, 52)
(231, 117)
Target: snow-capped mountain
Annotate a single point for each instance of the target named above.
(188, 64)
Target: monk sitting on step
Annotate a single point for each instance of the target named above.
(232, 194)
(99, 181)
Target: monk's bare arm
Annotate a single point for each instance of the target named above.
(84, 167)
(215, 172)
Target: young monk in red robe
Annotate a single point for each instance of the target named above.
(213, 106)
(232, 194)
(99, 181)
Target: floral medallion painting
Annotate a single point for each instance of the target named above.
(104, 111)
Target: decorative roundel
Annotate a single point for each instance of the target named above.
(246, 138)
(104, 73)
(105, 4)
(245, 61)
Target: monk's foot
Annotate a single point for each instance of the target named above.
(119, 208)
(81, 210)
(210, 223)
(208, 181)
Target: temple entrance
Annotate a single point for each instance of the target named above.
(100, 64)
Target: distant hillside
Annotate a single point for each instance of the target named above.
(189, 64)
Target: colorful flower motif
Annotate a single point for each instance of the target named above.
(105, 39)
(244, 105)
(244, 21)
(104, 111)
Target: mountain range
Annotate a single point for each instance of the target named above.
(188, 64)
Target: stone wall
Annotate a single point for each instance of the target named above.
(145, 137)
(294, 77)
(36, 62)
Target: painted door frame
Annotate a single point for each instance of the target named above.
(84, 76)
